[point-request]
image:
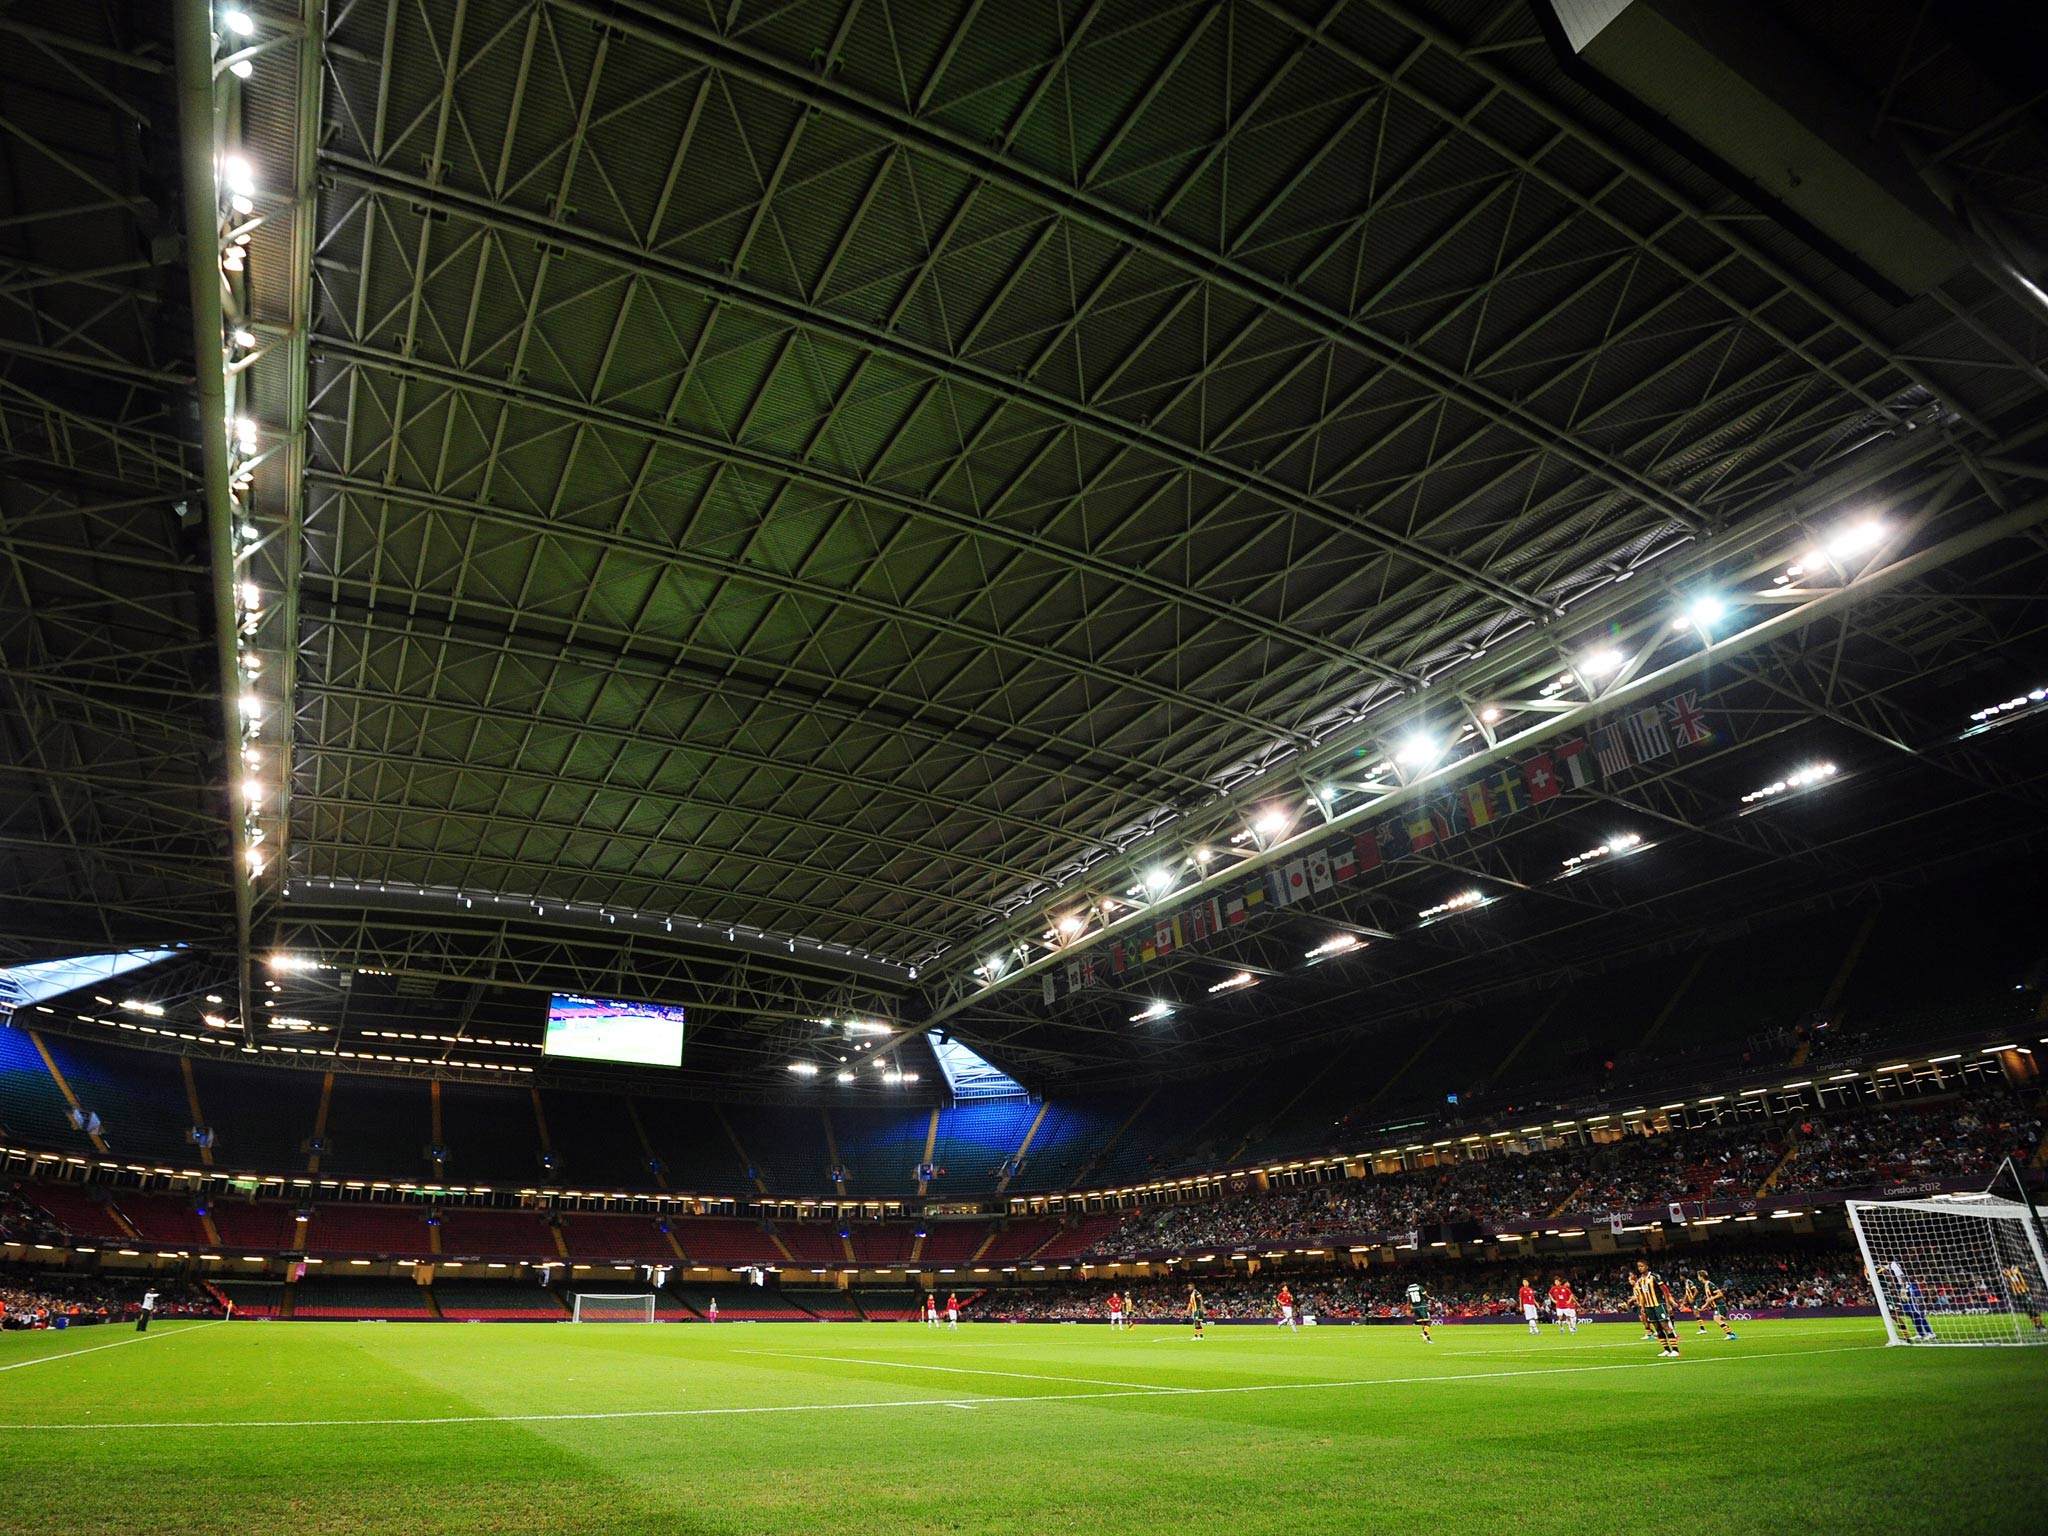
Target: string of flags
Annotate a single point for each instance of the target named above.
(1640, 736)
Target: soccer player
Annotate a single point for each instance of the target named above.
(147, 1311)
(1195, 1313)
(1130, 1311)
(1116, 1311)
(931, 1310)
(1915, 1306)
(1690, 1301)
(1418, 1307)
(952, 1313)
(1711, 1297)
(1527, 1299)
(1564, 1304)
(2023, 1295)
(1653, 1296)
(711, 1312)
(1287, 1309)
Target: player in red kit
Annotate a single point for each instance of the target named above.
(1565, 1304)
(1527, 1299)
(952, 1313)
(1287, 1310)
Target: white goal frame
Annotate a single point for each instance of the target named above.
(642, 1307)
(1941, 1269)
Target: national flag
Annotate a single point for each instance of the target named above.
(1687, 720)
(1427, 825)
(1571, 763)
(1073, 976)
(1540, 774)
(1367, 846)
(1510, 791)
(1194, 923)
(1610, 749)
(1290, 883)
(1233, 910)
(1393, 838)
(1165, 936)
(1087, 970)
(1343, 859)
(1475, 805)
(1677, 1213)
(1646, 733)
(1147, 950)
(1116, 957)
(1615, 1222)
(1319, 877)
(1212, 917)
(1047, 981)
(1255, 895)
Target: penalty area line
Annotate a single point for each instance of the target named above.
(921, 1402)
(140, 1338)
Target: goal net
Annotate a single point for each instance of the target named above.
(1954, 1270)
(594, 1308)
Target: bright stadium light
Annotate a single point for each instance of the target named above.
(1458, 903)
(1336, 945)
(239, 22)
(1152, 1011)
(1805, 778)
(803, 1069)
(1627, 842)
(1416, 750)
(1158, 879)
(1231, 983)
(239, 175)
(1071, 924)
(846, 1077)
(1490, 715)
(1856, 539)
(1599, 663)
(1702, 613)
(1271, 823)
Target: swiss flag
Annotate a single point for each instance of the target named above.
(1541, 773)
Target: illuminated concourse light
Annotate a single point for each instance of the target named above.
(1805, 778)
(1463, 901)
(1232, 983)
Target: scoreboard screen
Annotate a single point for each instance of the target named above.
(605, 1029)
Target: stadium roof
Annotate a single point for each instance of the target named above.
(850, 510)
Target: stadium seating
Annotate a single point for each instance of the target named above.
(593, 1235)
(890, 1305)
(74, 1207)
(260, 1116)
(138, 1095)
(742, 1303)
(377, 1128)
(497, 1301)
(340, 1298)
(253, 1298)
(594, 1142)
(32, 1111)
(165, 1219)
(490, 1134)
(469, 1231)
(831, 1305)
(883, 1243)
(398, 1230)
(881, 1148)
(813, 1243)
(976, 1139)
(953, 1242)
(696, 1151)
(724, 1240)
(265, 1227)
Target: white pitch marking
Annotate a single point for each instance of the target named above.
(140, 1338)
(922, 1402)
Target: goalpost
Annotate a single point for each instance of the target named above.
(591, 1307)
(1954, 1269)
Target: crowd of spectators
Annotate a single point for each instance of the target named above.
(1876, 1148)
(21, 1221)
(1753, 1281)
(39, 1300)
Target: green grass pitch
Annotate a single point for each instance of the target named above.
(744, 1428)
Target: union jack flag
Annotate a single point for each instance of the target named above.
(1687, 720)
